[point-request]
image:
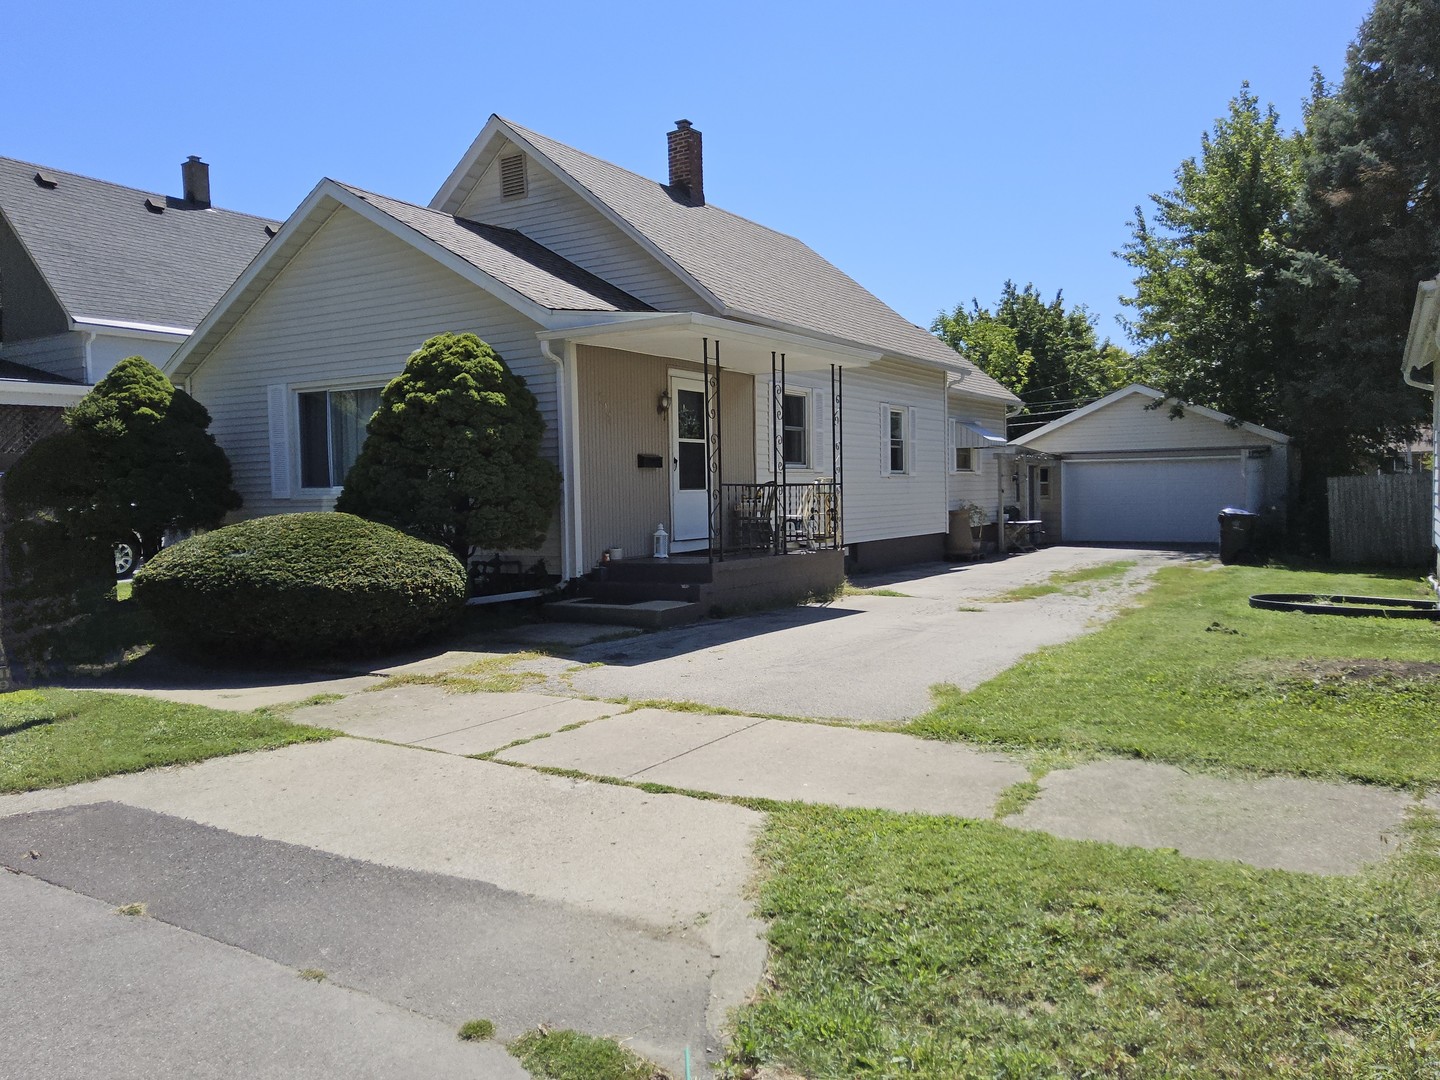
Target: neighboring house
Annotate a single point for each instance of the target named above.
(1420, 367)
(1127, 471)
(684, 358)
(92, 272)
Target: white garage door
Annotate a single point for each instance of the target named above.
(1155, 501)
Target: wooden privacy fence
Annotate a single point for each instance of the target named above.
(1382, 519)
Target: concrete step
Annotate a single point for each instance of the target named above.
(633, 592)
(647, 614)
(676, 570)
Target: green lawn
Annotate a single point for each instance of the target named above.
(907, 945)
(49, 738)
(1196, 676)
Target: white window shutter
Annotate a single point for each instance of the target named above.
(764, 422)
(819, 419)
(912, 457)
(279, 400)
(884, 439)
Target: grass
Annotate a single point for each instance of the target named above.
(1194, 675)
(488, 675)
(943, 948)
(846, 589)
(1062, 579)
(312, 975)
(132, 910)
(476, 1031)
(569, 1055)
(50, 738)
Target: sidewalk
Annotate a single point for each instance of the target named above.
(1291, 824)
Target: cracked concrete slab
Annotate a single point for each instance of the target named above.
(782, 760)
(869, 657)
(448, 948)
(91, 993)
(457, 723)
(1280, 822)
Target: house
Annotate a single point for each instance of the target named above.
(1123, 469)
(696, 370)
(1420, 370)
(92, 272)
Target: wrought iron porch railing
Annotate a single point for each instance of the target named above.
(778, 519)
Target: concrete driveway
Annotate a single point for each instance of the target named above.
(869, 657)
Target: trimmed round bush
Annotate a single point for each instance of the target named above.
(301, 585)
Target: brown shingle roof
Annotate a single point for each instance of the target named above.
(753, 270)
(510, 257)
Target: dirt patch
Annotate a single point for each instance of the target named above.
(1351, 670)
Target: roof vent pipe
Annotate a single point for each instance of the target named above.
(195, 177)
(686, 166)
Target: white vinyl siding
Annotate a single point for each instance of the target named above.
(1127, 424)
(880, 506)
(62, 355)
(346, 312)
(552, 214)
(980, 486)
(817, 437)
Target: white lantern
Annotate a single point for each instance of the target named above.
(661, 548)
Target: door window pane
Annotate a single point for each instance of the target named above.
(691, 466)
(690, 414)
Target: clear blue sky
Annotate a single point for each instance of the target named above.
(931, 150)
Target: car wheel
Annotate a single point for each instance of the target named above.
(124, 558)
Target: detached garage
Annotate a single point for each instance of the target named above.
(1129, 472)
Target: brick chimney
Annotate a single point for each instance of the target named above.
(195, 180)
(686, 168)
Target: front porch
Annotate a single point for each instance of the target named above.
(656, 593)
(696, 429)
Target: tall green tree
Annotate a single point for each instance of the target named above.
(1213, 305)
(151, 462)
(1370, 224)
(453, 453)
(1038, 348)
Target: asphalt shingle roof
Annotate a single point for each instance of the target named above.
(529, 268)
(751, 268)
(107, 256)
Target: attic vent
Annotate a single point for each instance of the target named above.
(512, 176)
(46, 181)
(271, 230)
(155, 204)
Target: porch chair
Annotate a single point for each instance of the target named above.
(755, 516)
(800, 517)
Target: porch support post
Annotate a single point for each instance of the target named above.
(714, 496)
(837, 446)
(777, 446)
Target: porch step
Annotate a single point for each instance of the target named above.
(630, 592)
(647, 614)
(675, 570)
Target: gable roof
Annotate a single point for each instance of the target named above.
(511, 257)
(110, 259)
(1139, 389)
(747, 270)
(518, 271)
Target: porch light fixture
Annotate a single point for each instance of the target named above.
(663, 405)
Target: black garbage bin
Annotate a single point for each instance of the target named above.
(1239, 536)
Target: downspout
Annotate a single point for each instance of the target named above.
(89, 360)
(564, 439)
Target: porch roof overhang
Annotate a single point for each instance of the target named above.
(743, 346)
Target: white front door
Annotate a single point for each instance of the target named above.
(689, 470)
